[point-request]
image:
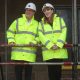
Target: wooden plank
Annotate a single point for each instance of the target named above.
(69, 67)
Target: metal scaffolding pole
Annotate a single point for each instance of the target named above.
(38, 63)
(5, 38)
(75, 40)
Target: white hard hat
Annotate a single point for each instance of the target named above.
(47, 5)
(31, 6)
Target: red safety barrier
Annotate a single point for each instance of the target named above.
(37, 63)
(68, 63)
(31, 45)
(68, 45)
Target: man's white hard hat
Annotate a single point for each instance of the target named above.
(31, 6)
(47, 5)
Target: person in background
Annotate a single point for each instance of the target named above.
(23, 31)
(52, 32)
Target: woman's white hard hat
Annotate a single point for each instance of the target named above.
(47, 5)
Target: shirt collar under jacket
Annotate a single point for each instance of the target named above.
(24, 17)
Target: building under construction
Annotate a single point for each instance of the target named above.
(69, 10)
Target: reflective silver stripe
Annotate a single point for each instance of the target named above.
(62, 27)
(17, 25)
(22, 50)
(61, 41)
(42, 25)
(10, 38)
(60, 23)
(44, 49)
(57, 31)
(13, 32)
(48, 32)
(47, 43)
(26, 32)
(40, 30)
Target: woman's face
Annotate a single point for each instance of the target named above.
(48, 12)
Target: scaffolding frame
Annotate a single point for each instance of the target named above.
(74, 38)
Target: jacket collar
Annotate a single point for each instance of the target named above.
(24, 17)
(54, 17)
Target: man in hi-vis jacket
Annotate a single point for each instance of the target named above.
(23, 31)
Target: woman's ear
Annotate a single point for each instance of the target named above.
(52, 10)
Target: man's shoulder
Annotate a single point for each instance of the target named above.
(20, 18)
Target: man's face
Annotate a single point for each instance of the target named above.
(29, 13)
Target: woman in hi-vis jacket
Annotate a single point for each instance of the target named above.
(52, 34)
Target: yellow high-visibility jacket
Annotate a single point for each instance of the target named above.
(22, 32)
(50, 35)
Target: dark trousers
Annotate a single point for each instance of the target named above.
(27, 72)
(1, 70)
(54, 71)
